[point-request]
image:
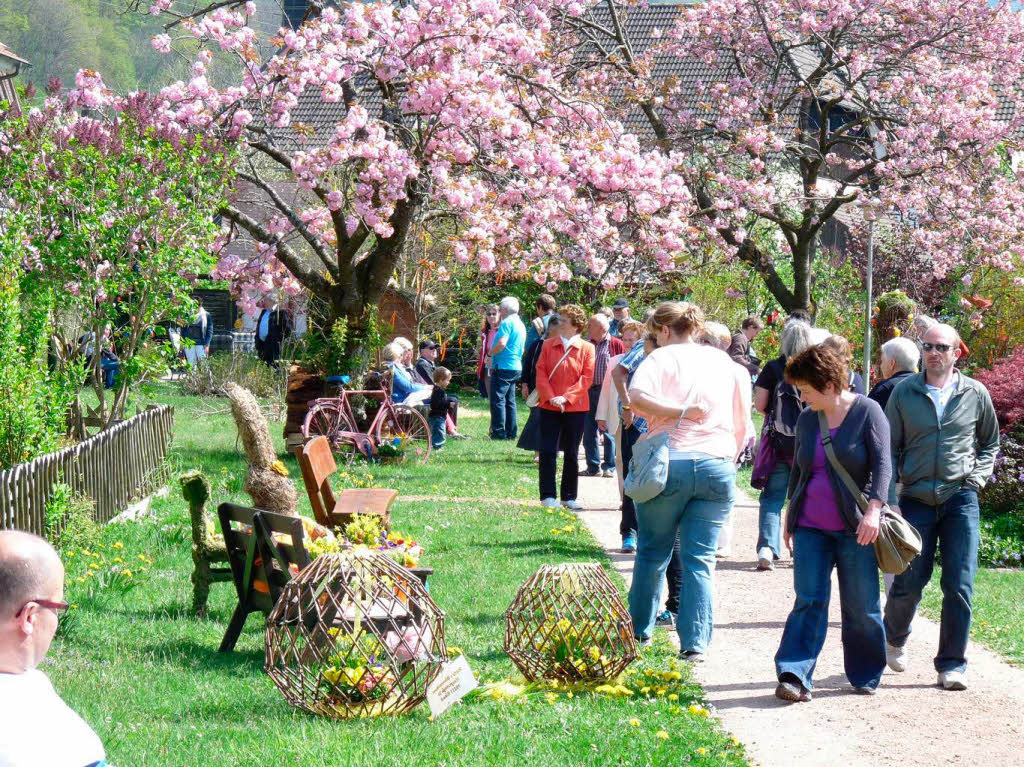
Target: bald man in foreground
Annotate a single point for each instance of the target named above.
(944, 442)
(37, 728)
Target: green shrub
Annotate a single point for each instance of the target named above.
(210, 375)
(1002, 542)
(70, 525)
(1004, 492)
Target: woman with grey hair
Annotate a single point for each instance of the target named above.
(781, 405)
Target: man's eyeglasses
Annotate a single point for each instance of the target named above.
(941, 348)
(57, 607)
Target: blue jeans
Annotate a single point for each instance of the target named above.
(694, 504)
(953, 525)
(815, 553)
(437, 430)
(769, 513)
(503, 404)
(593, 439)
(627, 524)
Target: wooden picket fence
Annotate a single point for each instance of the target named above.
(112, 468)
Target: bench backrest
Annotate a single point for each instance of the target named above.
(261, 564)
(317, 465)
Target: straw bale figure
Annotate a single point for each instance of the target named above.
(267, 480)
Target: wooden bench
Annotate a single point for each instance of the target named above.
(261, 565)
(335, 511)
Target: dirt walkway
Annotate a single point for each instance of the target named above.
(909, 722)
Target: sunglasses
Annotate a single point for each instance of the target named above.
(941, 348)
(57, 607)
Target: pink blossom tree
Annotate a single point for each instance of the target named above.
(462, 116)
(813, 109)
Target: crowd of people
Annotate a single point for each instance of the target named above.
(682, 388)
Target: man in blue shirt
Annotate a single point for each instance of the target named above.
(506, 367)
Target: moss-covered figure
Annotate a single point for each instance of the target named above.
(207, 548)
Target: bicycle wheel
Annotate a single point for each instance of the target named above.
(327, 419)
(408, 423)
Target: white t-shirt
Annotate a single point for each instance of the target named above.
(940, 397)
(37, 727)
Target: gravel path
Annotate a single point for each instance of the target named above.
(909, 722)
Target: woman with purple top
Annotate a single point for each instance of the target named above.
(825, 528)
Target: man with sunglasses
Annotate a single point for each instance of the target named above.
(944, 442)
(37, 727)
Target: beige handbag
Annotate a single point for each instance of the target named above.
(534, 399)
(898, 543)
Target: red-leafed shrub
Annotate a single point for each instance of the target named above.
(1005, 382)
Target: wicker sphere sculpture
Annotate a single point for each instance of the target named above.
(355, 635)
(568, 622)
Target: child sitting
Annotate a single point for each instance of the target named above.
(439, 402)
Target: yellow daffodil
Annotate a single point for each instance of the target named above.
(278, 467)
(702, 750)
(634, 722)
(118, 545)
(550, 697)
(661, 735)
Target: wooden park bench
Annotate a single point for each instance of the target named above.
(264, 550)
(335, 511)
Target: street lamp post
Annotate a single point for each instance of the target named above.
(868, 306)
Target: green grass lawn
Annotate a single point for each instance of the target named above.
(148, 677)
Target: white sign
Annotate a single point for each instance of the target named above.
(454, 682)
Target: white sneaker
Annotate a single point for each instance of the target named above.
(896, 657)
(608, 473)
(550, 503)
(574, 505)
(765, 559)
(953, 680)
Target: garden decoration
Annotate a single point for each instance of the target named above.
(353, 636)
(267, 480)
(265, 550)
(207, 549)
(894, 315)
(317, 465)
(568, 622)
(393, 430)
(369, 532)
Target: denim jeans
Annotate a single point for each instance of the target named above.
(559, 432)
(437, 430)
(695, 503)
(503, 404)
(769, 513)
(815, 553)
(593, 440)
(953, 526)
(627, 524)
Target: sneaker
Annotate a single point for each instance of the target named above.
(550, 503)
(608, 473)
(896, 657)
(793, 692)
(765, 560)
(459, 436)
(666, 619)
(592, 473)
(641, 642)
(573, 504)
(953, 680)
(865, 690)
(629, 544)
(691, 656)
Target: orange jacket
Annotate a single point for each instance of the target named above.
(571, 380)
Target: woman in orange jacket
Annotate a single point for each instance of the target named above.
(565, 372)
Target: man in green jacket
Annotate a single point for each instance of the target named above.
(944, 442)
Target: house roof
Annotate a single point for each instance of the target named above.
(8, 54)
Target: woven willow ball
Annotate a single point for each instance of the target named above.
(355, 635)
(568, 622)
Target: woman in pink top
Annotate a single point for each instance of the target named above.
(702, 399)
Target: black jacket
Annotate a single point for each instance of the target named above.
(862, 446)
(425, 370)
(880, 391)
(438, 402)
(530, 364)
(278, 328)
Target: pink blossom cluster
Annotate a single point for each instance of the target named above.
(923, 80)
(480, 124)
